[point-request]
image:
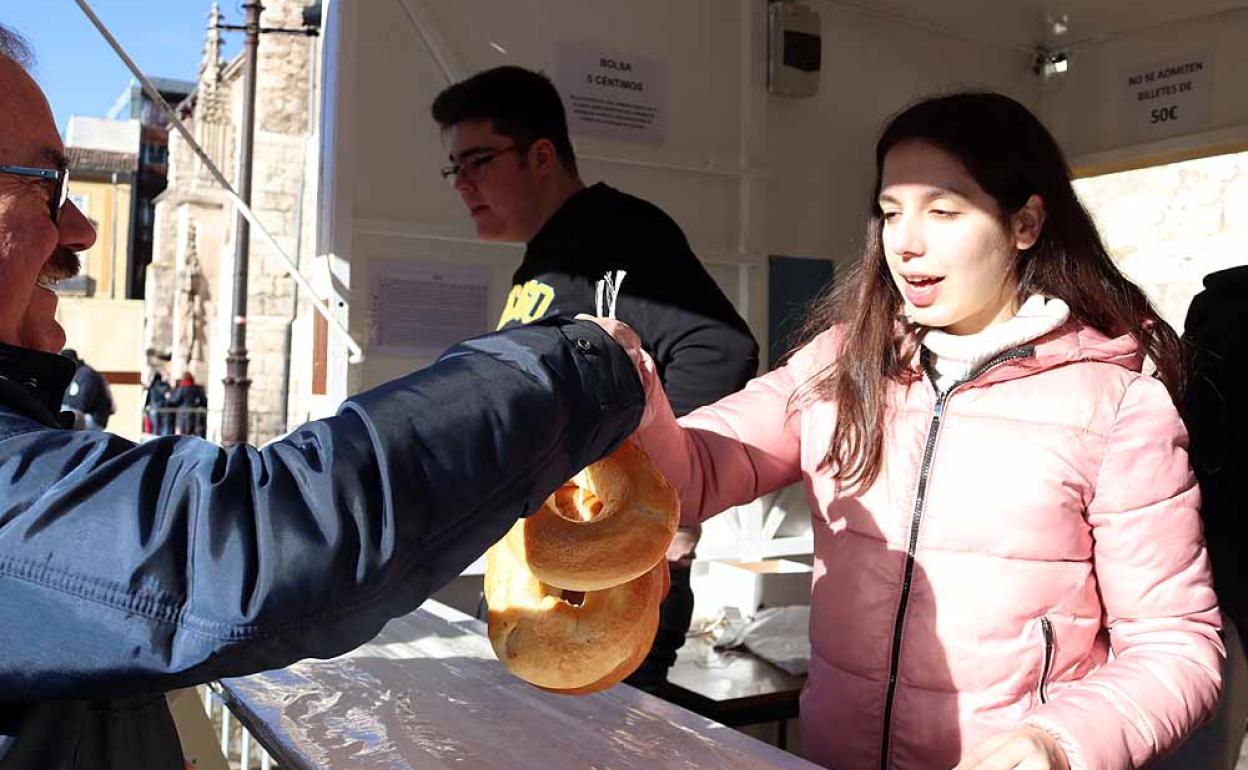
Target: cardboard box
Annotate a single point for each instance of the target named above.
(751, 585)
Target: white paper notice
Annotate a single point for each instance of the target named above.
(612, 94)
(1168, 97)
(422, 309)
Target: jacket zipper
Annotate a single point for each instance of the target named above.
(1047, 627)
(938, 411)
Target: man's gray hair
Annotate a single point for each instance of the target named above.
(14, 46)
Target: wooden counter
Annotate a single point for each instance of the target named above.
(428, 694)
(734, 687)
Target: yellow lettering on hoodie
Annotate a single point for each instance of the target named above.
(526, 303)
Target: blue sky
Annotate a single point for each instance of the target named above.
(79, 71)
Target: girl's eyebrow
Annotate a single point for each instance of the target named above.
(928, 196)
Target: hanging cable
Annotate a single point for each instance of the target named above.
(318, 302)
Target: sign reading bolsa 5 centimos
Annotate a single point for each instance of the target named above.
(612, 94)
(1169, 97)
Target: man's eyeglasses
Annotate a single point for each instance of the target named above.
(60, 185)
(471, 168)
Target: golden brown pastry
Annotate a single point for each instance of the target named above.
(591, 622)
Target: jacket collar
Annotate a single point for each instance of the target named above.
(1070, 343)
(34, 382)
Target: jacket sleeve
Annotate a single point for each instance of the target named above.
(1164, 677)
(730, 452)
(127, 568)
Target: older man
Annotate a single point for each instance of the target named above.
(129, 570)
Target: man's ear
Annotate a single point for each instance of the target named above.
(543, 158)
(1028, 222)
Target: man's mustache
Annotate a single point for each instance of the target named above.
(63, 264)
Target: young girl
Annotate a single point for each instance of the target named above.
(1009, 567)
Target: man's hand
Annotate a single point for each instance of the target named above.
(628, 339)
(1029, 748)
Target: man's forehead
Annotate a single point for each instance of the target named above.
(30, 136)
(473, 136)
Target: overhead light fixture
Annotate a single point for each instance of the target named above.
(1050, 64)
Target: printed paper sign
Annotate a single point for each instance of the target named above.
(1169, 97)
(611, 94)
(421, 309)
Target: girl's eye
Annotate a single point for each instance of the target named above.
(944, 213)
(889, 216)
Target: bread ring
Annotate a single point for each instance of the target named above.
(610, 524)
(622, 671)
(560, 644)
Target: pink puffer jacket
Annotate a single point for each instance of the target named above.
(1031, 554)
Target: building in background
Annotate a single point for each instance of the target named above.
(117, 167)
(190, 279)
(153, 153)
(103, 323)
(101, 185)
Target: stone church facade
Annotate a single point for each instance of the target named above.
(190, 280)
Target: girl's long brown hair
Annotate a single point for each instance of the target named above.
(1010, 154)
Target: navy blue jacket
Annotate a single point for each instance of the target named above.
(128, 570)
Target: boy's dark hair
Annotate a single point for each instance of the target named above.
(522, 105)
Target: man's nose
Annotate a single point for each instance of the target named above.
(77, 233)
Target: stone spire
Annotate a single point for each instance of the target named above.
(210, 102)
(211, 113)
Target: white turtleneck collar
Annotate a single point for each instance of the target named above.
(954, 357)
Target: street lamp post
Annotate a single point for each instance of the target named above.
(234, 418)
(237, 385)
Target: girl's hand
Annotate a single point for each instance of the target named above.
(1028, 748)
